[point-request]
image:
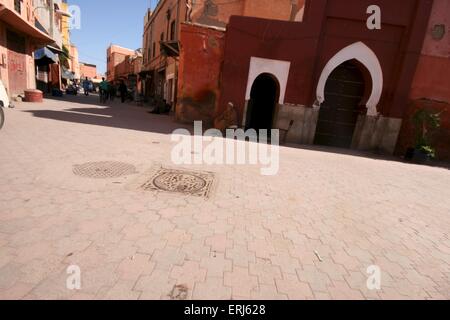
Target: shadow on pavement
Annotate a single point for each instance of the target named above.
(367, 155)
(128, 116)
(111, 114)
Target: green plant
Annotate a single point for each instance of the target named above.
(426, 122)
(64, 57)
(431, 152)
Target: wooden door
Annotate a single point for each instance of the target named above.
(17, 72)
(344, 91)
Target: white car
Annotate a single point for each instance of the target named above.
(4, 99)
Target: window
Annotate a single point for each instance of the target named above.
(18, 6)
(172, 30)
(162, 36)
(154, 49)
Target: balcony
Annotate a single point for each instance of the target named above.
(42, 22)
(170, 48)
(11, 17)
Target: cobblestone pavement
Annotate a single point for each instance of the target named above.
(310, 232)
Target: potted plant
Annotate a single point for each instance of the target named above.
(425, 123)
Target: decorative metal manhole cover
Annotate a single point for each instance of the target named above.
(104, 170)
(187, 182)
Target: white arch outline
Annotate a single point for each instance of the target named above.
(277, 68)
(368, 58)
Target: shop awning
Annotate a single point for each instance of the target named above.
(45, 56)
(15, 20)
(144, 73)
(66, 74)
(56, 50)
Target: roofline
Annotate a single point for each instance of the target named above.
(117, 46)
(88, 64)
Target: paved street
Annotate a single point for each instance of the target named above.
(309, 232)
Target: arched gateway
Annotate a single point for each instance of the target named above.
(352, 77)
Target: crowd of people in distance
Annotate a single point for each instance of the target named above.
(108, 91)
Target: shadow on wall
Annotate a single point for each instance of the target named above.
(200, 108)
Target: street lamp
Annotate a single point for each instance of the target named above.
(58, 11)
(63, 13)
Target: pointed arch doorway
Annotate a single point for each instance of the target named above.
(343, 94)
(265, 93)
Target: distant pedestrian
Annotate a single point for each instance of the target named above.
(123, 90)
(112, 91)
(104, 90)
(86, 86)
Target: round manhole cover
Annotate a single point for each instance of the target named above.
(179, 182)
(104, 170)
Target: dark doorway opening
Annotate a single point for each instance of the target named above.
(339, 113)
(263, 99)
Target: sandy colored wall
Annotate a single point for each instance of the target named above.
(115, 56)
(88, 71)
(26, 14)
(3, 56)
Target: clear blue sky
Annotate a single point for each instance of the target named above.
(108, 21)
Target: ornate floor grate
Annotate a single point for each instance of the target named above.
(104, 170)
(179, 181)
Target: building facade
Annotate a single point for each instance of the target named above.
(324, 74)
(65, 24)
(124, 65)
(74, 64)
(340, 83)
(159, 71)
(116, 55)
(19, 38)
(47, 62)
(88, 70)
(163, 39)
(431, 88)
(53, 61)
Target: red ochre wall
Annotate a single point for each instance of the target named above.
(201, 57)
(328, 27)
(279, 40)
(431, 86)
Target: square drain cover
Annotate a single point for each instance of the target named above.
(192, 183)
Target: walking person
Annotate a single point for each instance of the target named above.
(228, 119)
(86, 86)
(103, 90)
(123, 91)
